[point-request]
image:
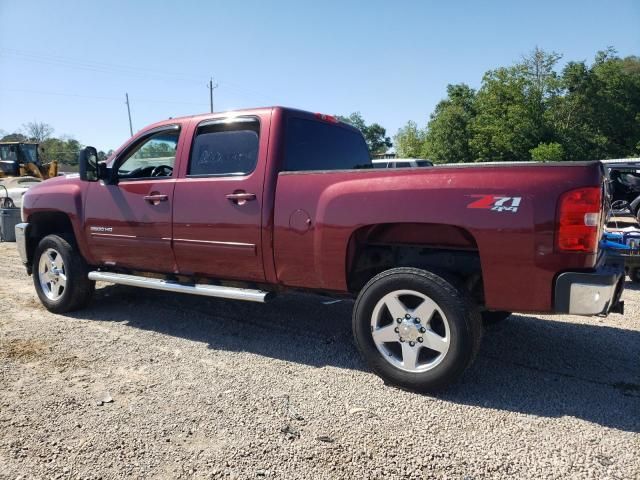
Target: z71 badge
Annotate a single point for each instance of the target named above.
(496, 203)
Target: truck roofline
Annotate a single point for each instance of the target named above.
(235, 112)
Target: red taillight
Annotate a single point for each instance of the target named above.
(579, 215)
(327, 118)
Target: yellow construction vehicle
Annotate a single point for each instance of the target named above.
(20, 159)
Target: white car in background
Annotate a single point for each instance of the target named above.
(401, 163)
(13, 189)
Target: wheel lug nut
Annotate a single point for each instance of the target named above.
(396, 329)
(416, 320)
(413, 344)
(399, 320)
(407, 316)
(420, 339)
(422, 330)
(402, 339)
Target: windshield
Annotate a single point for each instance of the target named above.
(28, 153)
(8, 153)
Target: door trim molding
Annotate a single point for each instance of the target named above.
(215, 243)
(95, 234)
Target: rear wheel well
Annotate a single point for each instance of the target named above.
(445, 249)
(42, 224)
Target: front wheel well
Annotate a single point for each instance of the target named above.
(42, 224)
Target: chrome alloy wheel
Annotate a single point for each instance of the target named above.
(51, 273)
(410, 331)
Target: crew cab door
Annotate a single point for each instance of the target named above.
(128, 219)
(218, 200)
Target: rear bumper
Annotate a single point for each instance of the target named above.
(591, 293)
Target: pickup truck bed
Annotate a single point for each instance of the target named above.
(515, 248)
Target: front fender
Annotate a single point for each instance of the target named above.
(53, 198)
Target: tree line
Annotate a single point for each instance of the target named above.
(532, 111)
(64, 149)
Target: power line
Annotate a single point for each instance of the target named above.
(41, 92)
(115, 99)
(100, 67)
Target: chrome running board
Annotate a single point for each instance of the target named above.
(218, 291)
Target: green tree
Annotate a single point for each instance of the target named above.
(64, 150)
(543, 83)
(374, 134)
(512, 106)
(504, 128)
(547, 152)
(448, 134)
(104, 155)
(599, 115)
(14, 137)
(409, 141)
(590, 111)
(156, 150)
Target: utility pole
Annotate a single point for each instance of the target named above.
(129, 112)
(211, 87)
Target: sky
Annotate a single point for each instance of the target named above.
(70, 63)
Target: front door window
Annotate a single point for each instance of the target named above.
(155, 157)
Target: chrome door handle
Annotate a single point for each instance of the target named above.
(240, 198)
(156, 199)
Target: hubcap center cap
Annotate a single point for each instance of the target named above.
(409, 331)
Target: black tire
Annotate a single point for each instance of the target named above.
(462, 315)
(492, 318)
(634, 275)
(78, 289)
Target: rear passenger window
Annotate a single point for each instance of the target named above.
(223, 147)
(317, 145)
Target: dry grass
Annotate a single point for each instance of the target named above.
(23, 350)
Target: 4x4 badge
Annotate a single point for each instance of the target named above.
(496, 203)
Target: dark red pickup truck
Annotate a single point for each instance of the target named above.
(246, 204)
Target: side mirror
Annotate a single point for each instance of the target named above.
(88, 162)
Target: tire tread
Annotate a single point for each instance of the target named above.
(80, 288)
(459, 300)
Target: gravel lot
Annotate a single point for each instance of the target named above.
(145, 384)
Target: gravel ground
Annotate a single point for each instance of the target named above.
(145, 384)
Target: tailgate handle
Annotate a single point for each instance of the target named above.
(240, 197)
(155, 199)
